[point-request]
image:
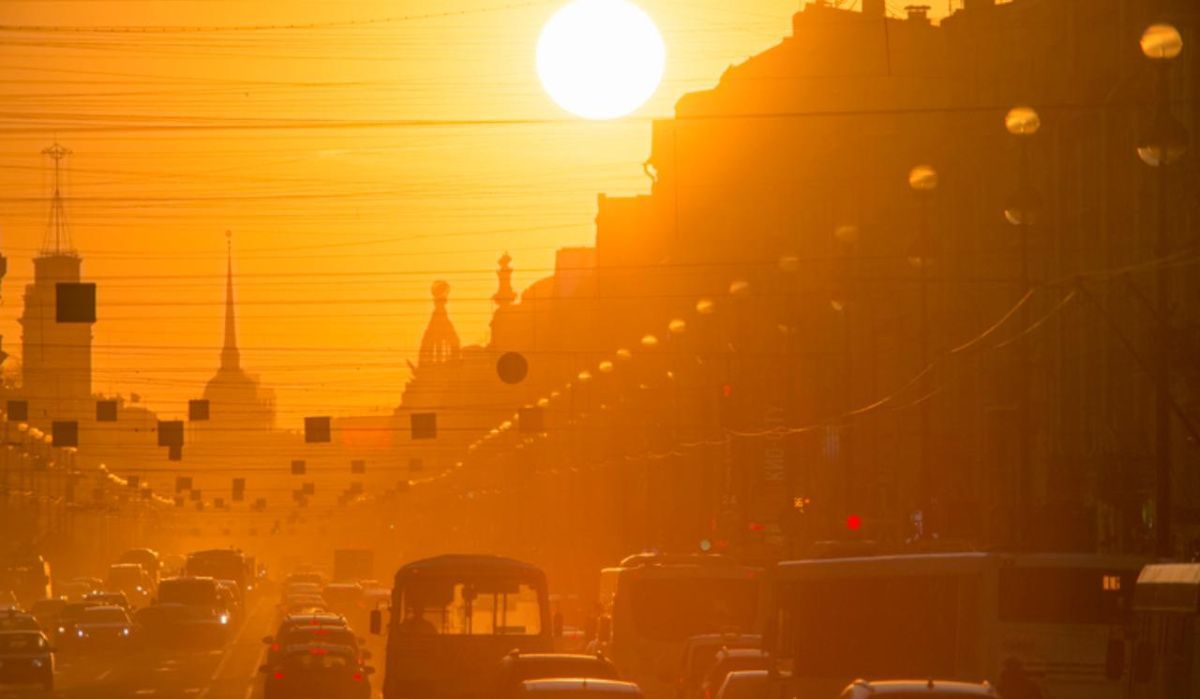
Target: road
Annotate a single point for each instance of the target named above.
(229, 673)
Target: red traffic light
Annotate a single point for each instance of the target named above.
(854, 523)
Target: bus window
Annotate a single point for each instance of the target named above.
(905, 626)
(1060, 595)
(471, 608)
(672, 609)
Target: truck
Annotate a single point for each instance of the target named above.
(353, 565)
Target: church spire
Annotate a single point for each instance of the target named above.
(230, 357)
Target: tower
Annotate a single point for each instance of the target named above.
(56, 357)
(440, 342)
(236, 398)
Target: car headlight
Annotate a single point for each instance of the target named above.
(224, 618)
(80, 633)
(62, 629)
(125, 631)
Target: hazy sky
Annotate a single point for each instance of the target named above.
(313, 144)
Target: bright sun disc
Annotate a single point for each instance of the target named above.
(600, 59)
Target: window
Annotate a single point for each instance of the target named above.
(904, 626)
(1065, 595)
(469, 608)
(672, 609)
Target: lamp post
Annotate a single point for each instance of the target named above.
(1162, 144)
(1021, 211)
(923, 180)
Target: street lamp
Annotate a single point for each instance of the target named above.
(1161, 145)
(923, 181)
(1021, 210)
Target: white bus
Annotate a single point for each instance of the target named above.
(652, 603)
(960, 616)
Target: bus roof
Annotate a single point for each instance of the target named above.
(469, 562)
(962, 562)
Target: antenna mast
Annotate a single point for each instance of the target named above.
(57, 241)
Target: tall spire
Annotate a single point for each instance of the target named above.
(57, 240)
(230, 357)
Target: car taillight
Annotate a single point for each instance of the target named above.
(319, 651)
(275, 647)
(358, 677)
(279, 675)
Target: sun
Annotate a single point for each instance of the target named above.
(600, 59)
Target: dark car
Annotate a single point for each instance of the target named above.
(306, 635)
(111, 599)
(327, 672)
(699, 654)
(67, 618)
(17, 620)
(103, 628)
(291, 622)
(518, 667)
(26, 658)
(174, 625)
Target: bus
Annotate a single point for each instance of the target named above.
(1060, 619)
(454, 617)
(222, 564)
(651, 604)
(26, 577)
(1166, 632)
(147, 559)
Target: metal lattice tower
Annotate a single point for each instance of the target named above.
(57, 240)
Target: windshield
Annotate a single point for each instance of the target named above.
(672, 609)
(469, 607)
(21, 642)
(103, 615)
(197, 592)
(318, 661)
(131, 575)
(1065, 595)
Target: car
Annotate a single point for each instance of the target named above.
(26, 658)
(578, 688)
(517, 667)
(291, 621)
(133, 580)
(16, 620)
(68, 616)
(745, 684)
(46, 611)
(317, 671)
(729, 660)
(310, 577)
(699, 654)
(112, 599)
(299, 588)
(103, 628)
(229, 598)
(177, 625)
(307, 634)
(74, 590)
(300, 604)
(918, 689)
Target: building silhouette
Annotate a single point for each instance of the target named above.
(239, 405)
(56, 358)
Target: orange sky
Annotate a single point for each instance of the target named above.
(339, 230)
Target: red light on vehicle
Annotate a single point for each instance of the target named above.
(757, 527)
(274, 647)
(357, 677)
(727, 390)
(278, 675)
(320, 632)
(319, 651)
(854, 523)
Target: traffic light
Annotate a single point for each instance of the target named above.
(854, 523)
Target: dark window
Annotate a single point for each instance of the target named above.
(1065, 595)
(903, 626)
